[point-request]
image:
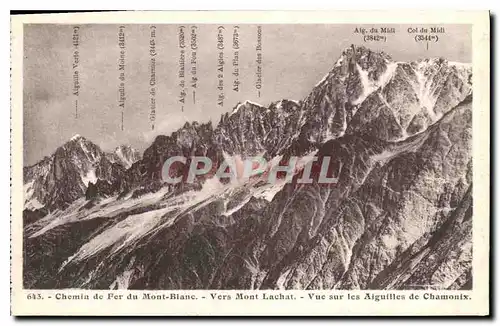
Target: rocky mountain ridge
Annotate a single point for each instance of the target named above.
(63, 177)
(398, 218)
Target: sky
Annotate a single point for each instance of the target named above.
(294, 59)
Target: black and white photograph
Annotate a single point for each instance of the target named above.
(262, 157)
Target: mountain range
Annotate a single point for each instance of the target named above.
(399, 217)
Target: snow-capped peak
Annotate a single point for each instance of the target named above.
(247, 102)
(126, 155)
(244, 104)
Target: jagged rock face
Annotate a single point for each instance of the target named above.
(365, 93)
(252, 130)
(191, 140)
(58, 180)
(406, 197)
(124, 155)
(399, 217)
(416, 96)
